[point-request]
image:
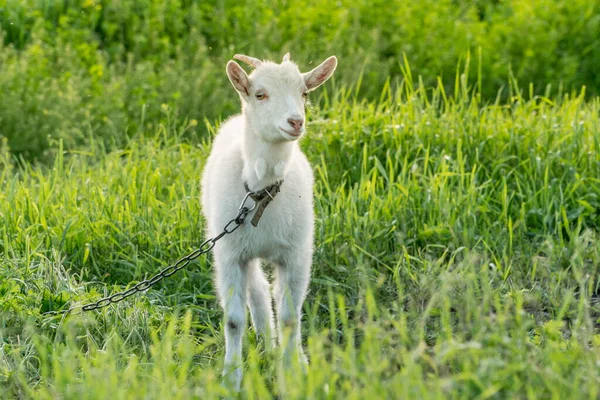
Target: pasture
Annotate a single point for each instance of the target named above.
(456, 154)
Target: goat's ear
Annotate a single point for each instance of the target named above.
(238, 78)
(315, 78)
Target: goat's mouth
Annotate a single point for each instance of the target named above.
(295, 134)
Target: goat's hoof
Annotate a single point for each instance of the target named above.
(232, 379)
(297, 358)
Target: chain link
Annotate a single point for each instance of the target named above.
(183, 262)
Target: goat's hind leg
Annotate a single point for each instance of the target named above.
(231, 284)
(259, 302)
(291, 283)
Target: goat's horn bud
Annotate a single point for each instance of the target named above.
(254, 62)
(286, 57)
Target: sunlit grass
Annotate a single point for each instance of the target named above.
(73, 70)
(457, 255)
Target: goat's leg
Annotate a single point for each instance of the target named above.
(231, 284)
(291, 283)
(259, 302)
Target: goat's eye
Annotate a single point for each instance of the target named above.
(305, 94)
(260, 96)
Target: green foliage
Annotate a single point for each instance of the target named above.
(72, 69)
(456, 256)
(457, 232)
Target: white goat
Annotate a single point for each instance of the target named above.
(257, 149)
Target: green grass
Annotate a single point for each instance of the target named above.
(73, 69)
(457, 256)
(457, 162)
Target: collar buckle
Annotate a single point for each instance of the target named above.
(262, 198)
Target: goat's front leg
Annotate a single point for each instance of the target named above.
(259, 302)
(291, 284)
(231, 284)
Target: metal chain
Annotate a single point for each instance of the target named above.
(183, 262)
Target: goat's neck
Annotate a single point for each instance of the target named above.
(265, 162)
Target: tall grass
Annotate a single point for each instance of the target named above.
(457, 195)
(457, 256)
(75, 69)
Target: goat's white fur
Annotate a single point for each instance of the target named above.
(260, 147)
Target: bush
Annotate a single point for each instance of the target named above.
(76, 69)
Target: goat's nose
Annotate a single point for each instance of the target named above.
(296, 123)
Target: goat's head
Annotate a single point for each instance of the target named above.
(273, 96)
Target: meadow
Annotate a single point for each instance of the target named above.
(457, 162)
